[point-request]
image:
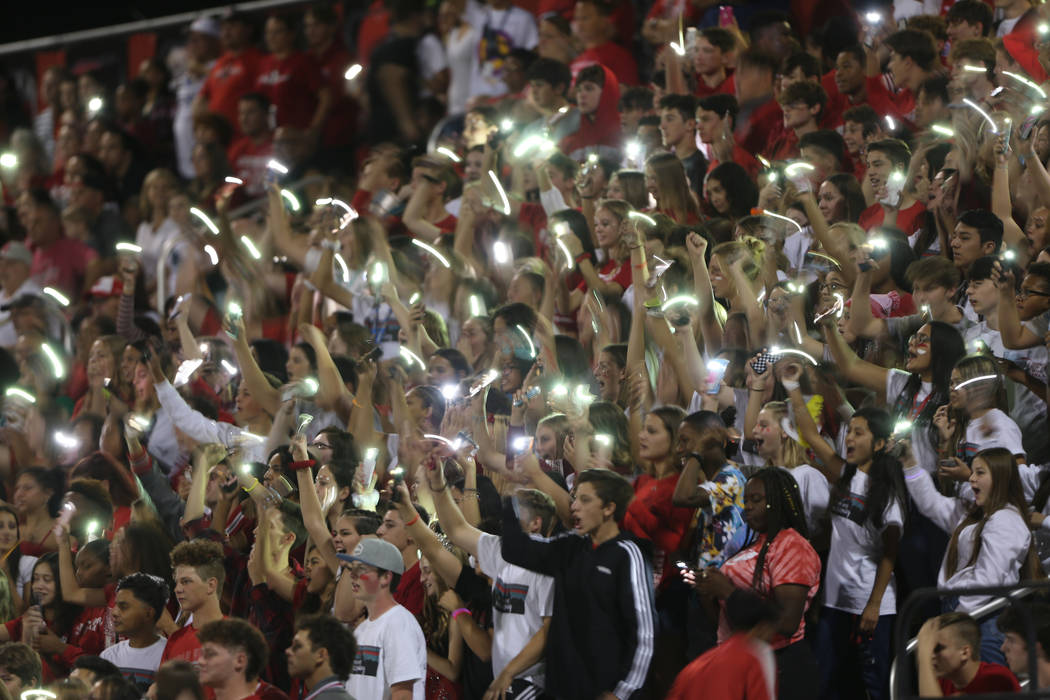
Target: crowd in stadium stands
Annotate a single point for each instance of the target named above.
(566, 349)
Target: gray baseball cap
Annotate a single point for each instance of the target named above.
(378, 553)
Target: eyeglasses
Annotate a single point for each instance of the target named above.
(1024, 293)
(920, 339)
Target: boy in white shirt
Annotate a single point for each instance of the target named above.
(139, 603)
(391, 659)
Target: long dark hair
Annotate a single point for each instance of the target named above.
(784, 511)
(65, 613)
(946, 348)
(852, 196)
(885, 477)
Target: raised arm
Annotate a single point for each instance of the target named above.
(267, 396)
(853, 368)
(861, 322)
(72, 592)
(710, 323)
(313, 513)
(414, 215)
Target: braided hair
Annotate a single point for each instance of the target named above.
(784, 510)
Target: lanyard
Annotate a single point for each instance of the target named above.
(327, 686)
(916, 410)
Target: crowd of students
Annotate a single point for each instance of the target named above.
(556, 349)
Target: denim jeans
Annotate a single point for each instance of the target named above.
(849, 664)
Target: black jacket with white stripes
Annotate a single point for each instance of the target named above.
(602, 626)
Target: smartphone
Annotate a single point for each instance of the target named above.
(531, 393)
(374, 354)
(726, 18)
(1025, 131)
(946, 462)
(763, 361)
(716, 372)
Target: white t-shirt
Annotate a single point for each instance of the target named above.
(25, 572)
(925, 454)
(993, 429)
(795, 248)
(816, 494)
(137, 665)
(856, 550)
(390, 649)
(520, 600)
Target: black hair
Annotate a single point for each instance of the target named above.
(516, 314)
(719, 37)
(827, 140)
(550, 71)
(741, 190)
(610, 487)
(723, 105)
(800, 59)
(935, 87)
(258, 98)
(784, 510)
(685, 105)
(65, 613)
(885, 477)
(1024, 616)
(151, 590)
(116, 688)
(1040, 270)
(102, 668)
(988, 225)
(856, 50)
(894, 149)
(272, 357)
(746, 610)
(577, 223)
(981, 268)
(48, 479)
(592, 74)
(636, 97)
(328, 633)
(901, 255)
(914, 44)
(946, 348)
(344, 448)
(971, 12)
(758, 60)
(863, 115)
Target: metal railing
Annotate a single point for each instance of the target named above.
(143, 25)
(1009, 596)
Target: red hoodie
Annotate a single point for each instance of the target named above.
(600, 128)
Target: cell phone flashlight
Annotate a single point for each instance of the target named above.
(522, 445)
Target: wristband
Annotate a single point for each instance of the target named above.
(789, 385)
(461, 611)
(412, 522)
(305, 464)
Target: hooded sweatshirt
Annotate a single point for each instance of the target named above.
(599, 132)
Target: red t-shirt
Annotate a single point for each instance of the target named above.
(409, 591)
(900, 105)
(761, 124)
(341, 125)
(85, 637)
(614, 57)
(618, 272)
(248, 160)
(742, 158)
(990, 678)
(726, 87)
(291, 84)
(784, 147)
(61, 265)
(740, 667)
(374, 28)
(790, 559)
(232, 76)
(182, 644)
(651, 516)
(908, 220)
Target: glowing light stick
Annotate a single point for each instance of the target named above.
(502, 192)
(449, 154)
(57, 296)
(205, 219)
(231, 180)
(57, 368)
(525, 334)
(353, 71)
(277, 166)
(212, 255)
(252, 250)
(293, 201)
(973, 105)
(433, 251)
